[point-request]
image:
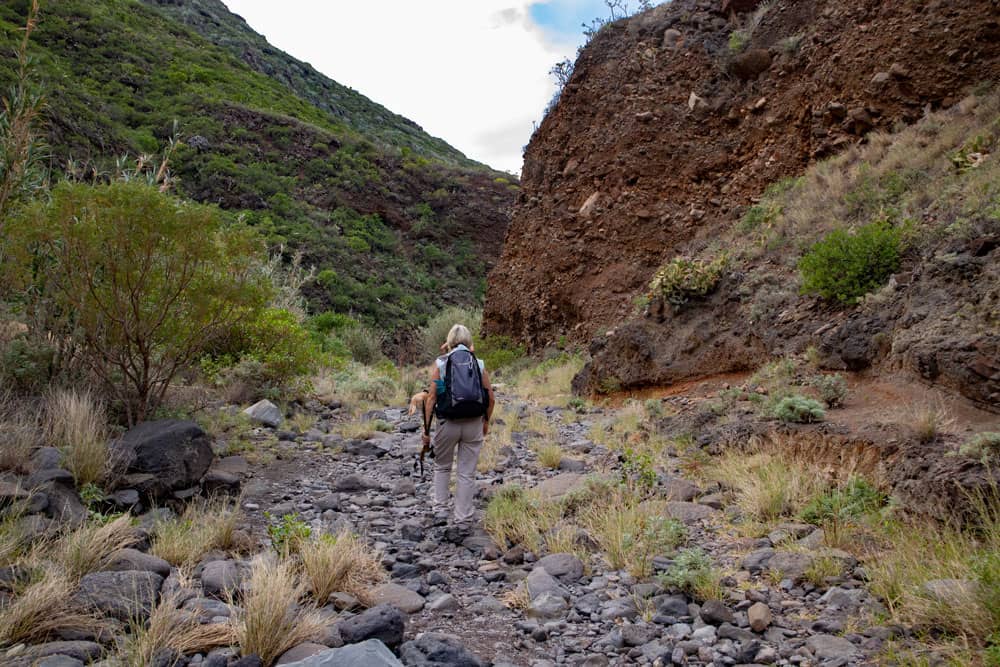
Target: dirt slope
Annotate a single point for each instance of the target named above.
(665, 134)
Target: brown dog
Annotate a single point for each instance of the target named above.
(417, 402)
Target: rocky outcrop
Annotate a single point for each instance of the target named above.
(665, 133)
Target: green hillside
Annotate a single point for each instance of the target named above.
(212, 20)
(397, 223)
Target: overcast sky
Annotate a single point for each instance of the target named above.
(473, 72)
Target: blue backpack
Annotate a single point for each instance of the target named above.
(464, 396)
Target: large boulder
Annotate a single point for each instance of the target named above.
(176, 454)
(434, 649)
(382, 622)
(370, 653)
(264, 412)
(126, 596)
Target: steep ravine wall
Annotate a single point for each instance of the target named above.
(664, 135)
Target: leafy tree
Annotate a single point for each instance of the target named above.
(145, 280)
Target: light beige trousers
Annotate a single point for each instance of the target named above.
(465, 436)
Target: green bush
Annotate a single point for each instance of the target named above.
(691, 573)
(844, 266)
(363, 343)
(26, 366)
(854, 500)
(435, 332)
(682, 279)
(832, 389)
(799, 410)
(151, 281)
(499, 352)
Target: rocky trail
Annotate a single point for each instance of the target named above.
(452, 580)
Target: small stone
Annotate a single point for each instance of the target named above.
(446, 602)
(759, 615)
(716, 613)
(547, 605)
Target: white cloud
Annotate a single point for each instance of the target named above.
(472, 72)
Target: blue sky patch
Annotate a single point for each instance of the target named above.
(563, 19)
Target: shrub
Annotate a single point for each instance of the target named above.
(692, 573)
(151, 280)
(799, 410)
(842, 505)
(435, 332)
(844, 267)
(985, 446)
(288, 534)
(499, 352)
(26, 366)
(929, 421)
(549, 455)
(682, 279)
(832, 389)
(364, 344)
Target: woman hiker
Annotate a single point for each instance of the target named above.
(463, 403)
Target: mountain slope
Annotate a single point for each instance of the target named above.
(212, 20)
(396, 231)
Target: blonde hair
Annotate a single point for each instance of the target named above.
(458, 335)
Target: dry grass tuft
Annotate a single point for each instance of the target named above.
(204, 526)
(272, 617)
(549, 454)
(18, 433)
(514, 516)
(766, 486)
(173, 629)
(630, 531)
(43, 609)
(517, 598)
(85, 550)
(341, 562)
(930, 421)
(76, 423)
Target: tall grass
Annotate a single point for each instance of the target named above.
(273, 617)
(42, 609)
(173, 629)
(86, 549)
(343, 563)
(631, 532)
(204, 526)
(549, 381)
(966, 562)
(19, 433)
(514, 516)
(76, 423)
(766, 486)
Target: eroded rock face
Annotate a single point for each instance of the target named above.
(651, 153)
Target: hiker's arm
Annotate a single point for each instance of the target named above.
(489, 406)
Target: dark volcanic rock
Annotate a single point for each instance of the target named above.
(438, 650)
(383, 622)
(176, 453)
